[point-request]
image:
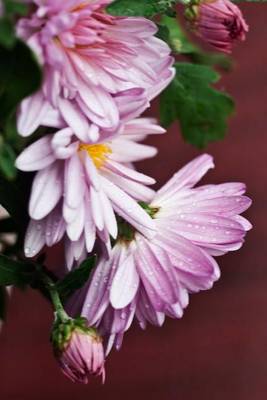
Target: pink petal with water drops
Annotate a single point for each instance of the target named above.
(125, 284)
(47, 189)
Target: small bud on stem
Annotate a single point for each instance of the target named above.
(77, 347)
(219, 22)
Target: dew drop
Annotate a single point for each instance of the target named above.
(123, 315)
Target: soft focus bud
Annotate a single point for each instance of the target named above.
(218, 22)
(78, 349)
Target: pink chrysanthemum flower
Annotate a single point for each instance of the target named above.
(220, 23)
(78, 187)
(149, 279)
(99, 70)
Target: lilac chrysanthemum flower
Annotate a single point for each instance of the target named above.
(149, 279)
(99, 70)
(78, 187)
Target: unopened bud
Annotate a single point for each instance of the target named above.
(78, 349)
(219, 22)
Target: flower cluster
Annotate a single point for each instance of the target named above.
(154, 248)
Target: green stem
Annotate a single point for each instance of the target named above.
(51, 287)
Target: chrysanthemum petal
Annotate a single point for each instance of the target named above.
(37, 156)
(47, 189)
(125, 284)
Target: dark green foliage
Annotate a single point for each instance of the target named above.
(20, 75)
(142, 8)
(75, 279)
(201, 110)
(14, 272)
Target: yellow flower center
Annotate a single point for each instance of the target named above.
(80, 6)
(97, 152)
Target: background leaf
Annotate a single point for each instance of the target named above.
(7, 32)
(14, 8)
(141, 8)
(201, 110)
(7, 160)
(11, 9)
(75, 279)
(15, 272)
(20, 76)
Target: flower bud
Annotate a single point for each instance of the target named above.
(218, 22)
(78, 349)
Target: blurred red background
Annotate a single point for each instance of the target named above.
(219, 349)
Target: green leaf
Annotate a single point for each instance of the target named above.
(7, 161)
(7, 33)
(163, 33)
(20, 76)
(201, 110)
(75, 279)
(177, 40)
(7, 21)
(15, 8)
(133, 8)
(141, 8)
(15, 272)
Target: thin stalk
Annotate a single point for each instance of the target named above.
(58, 307)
